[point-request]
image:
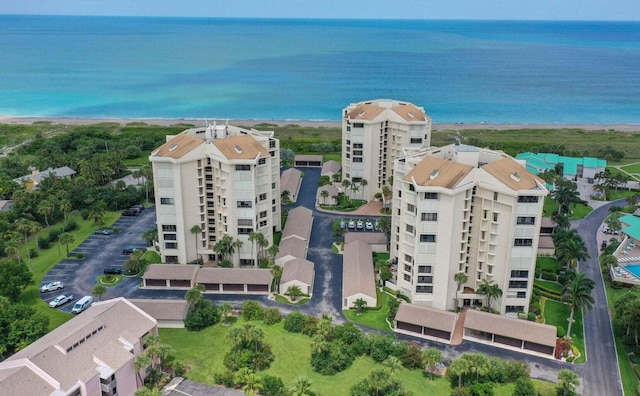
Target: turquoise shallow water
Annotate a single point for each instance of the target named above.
(469, 71)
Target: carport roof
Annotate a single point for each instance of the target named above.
(163, 309)
(170, 271)
(303, 157)
(244, 276)
(289, 180)
(357, 270)
(330, 167)
(371, 238)
(292, 247)
(426, 317)
(299, 222)
(510, 327)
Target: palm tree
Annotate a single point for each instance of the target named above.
(354, 188)
(577, 294)
(150, 236)
(393, 363)
(99, 290)
(460, 278)
(196, 230)
(571, 249)
(237, 244)
(285, 197)
(223, 247)
(294, 292)
(253, 237)
(252, 384)
(568, 381)
(301, 386)
(225, 310)
(324, 194)
(273, 252)
(379, 379)
(359, 305)
(66, 238)
(459, 368)
(276, 272)
(34, 229)
(262, 244)
(194, 296)
(609, 261)
(11, 249)
(386, 194)
(491, 290)
(24, 226)
(561, 222)
(46, 207)
(431, 357)
(363, 183)
(141, 363)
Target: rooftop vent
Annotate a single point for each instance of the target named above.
(173, 147)
(515, 176)
(238, 149)
(411, 114)
(361, 113)
(434, 174)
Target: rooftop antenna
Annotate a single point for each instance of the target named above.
(209, 135)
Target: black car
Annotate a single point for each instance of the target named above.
(139, 207)
(129, 250)
(130, 212)
(113, 271)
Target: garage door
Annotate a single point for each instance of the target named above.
(180, 283)
(211, 286)
(232, 287)
(258, 288)
(156, 282)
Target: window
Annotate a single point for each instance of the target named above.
(357, 152)
(348, 155)
(263, 223)
(523, 242)
(244, 204)
(495, 217)
(348, 149)
(244, 231)
(262, 161)
(358, 125)
(424, 289)
(412, 187)
(526, 220)
(166, 201)
(170, 245)
(408, 258)
(495, 196)
(357, 145)
(409, 228)
(425, 279)
(169, 227)
(357, 159)
(427, 238)
(430, 195)
(429, 217)
(411, 208)
(416, 140)
(243, 167)
(263, 196)
(527, 199)
(407, 267)
(170, 237)
(245, 222)
(521, 295)
(356, 180)
(424, 269)
(519, 274)
(263, 214)
(272, 143)
(407, 277)
(273, 186)
(518, 284)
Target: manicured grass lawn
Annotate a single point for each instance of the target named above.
(376, 319)
(204, 352)
(616, 195)
(633, 168)
(549, 264)
(580, 211)
(629, 378)
(284, 300)
(557, 314)
(550, 206)
(50, 257)
(152, 257)
(548, 284)
(544, 388)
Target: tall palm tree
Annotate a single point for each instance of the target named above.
(46, 208)
(273, 252)
(489, 289)
(577, 294)
(301, 386)
(237, 244)
(386, 195)
(393, 363)
(66, 238)
(363, 183)
(262, 244)
(194, 296)
(65, 206)
(431, 356)
(276, 272)
(253, 237)
(346, 184)
(324, 194)
(460, 278)
(24, 225)
(224, 247)
(196, 230)
(571, 249)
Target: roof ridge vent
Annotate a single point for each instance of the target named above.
(361, 113)
(515, 176)
(173, 147)
(238, 149)
(411, 114)
(434, 174)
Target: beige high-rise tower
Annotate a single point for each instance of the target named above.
(373, 135)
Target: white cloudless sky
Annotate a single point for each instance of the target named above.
(628, 10)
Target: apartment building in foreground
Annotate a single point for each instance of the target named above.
(92, 354)
(213, 181)
(373, 135)
(459, 208)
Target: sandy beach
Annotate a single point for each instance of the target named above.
(311, 123)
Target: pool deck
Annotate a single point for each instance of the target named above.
(628, 253)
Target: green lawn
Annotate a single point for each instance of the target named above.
(549, 264)
(629, 379)
(551, 206)
(48, 258)
(152, 257)
(376, 319)
(632, 168)
(548, 284)
(557, 314)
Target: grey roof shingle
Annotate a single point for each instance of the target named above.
(298, 269)
(538, 333)
(357, 270)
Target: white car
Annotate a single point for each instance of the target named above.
(360, 224)
(368, 225)
(60, 300)
(51, 286)
(352, 224)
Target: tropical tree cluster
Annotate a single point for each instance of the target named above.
(477, 374)
(605, 182)
(158, 361)
(202, 313)
(380, 382)
(248, 349)
(565, 193)
(627, 316)
(20, 325)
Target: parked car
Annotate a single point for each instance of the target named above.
(135, 209)
(130, 212)
(360, 225)
(343, 224)
(139, 207)
(60, 300)
(368, 225)
(129, 250)
(51, 286)
(113, 271)
(352, 224)
(82, 304)
(104, 231)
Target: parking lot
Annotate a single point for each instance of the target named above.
(359, 224)
(100, 251)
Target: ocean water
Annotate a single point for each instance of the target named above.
(459, 71)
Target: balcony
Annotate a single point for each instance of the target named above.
(108, 387)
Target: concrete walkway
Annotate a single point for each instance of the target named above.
(458, 331)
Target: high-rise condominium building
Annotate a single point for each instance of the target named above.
(464, 209)
(214, 181)
(373, 136)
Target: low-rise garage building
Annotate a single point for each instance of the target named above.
(424, 322)
(313, 161)
(168, 313)
(235, 280)
(358, 278)
(297, 272)
(517, 334)
(290, 180)
(377, 240)
(175, 276)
